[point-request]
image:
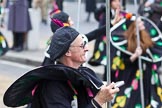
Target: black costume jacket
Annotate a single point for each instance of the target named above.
(47, 87)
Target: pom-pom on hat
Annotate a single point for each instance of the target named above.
(61, 41)
(58, 19)
(60, 15)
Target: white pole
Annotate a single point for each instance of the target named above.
(78, 15)
(139, 59)
(108, 45)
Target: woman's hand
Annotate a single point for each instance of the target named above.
(118, 16)
(148, 3)
(137, 53)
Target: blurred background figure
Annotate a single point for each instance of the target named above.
(60, 4)
(90, 7)
(3, 42)
(99, 54)
(2, 13)
(43, 5)
(19, 22)
(124, 4)
(30, 3)
(149, 2)
(152, 9)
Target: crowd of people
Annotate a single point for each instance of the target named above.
(63, 82)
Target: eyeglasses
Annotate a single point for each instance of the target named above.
(81, 46)
(85, 41)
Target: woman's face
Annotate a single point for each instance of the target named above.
(115, 4)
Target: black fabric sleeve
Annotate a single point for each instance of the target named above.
(93, 104)
(96, 33)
